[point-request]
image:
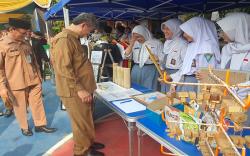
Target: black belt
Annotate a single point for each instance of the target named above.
(193, 75)
(144, 64)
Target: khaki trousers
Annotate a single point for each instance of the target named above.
(33, 97)
(81, 122)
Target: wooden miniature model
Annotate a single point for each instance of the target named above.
(238, 118)
(206, 96)
(247, 139)
(238, 140)
(199, 98)
(192, 95)
(231, 106)
(171, 96)
(218, 102)
(222, 142)
(183, 96)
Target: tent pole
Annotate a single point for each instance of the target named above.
(37, 20)
(47, 31)
(66, 16)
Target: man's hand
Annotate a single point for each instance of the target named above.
(132, 40)
(85, 96)
(4, 93)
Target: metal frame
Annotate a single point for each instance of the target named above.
(159, 6)
(131, 122)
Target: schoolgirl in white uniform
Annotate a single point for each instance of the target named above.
(236, 31)
(202, 51)
(144, 71)
(174, 49)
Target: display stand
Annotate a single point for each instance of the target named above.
(98, 60)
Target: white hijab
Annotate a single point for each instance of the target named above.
(174, 26)
(149, 41)
(237, 28)
(205, 40)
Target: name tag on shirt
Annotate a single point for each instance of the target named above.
(28, 59)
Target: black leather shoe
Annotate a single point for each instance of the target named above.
(44, 129)
(93, 152)
(8, 113)
(27, 132)
(97, 146)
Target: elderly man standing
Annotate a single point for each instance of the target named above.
(20, 80)
(75, 82)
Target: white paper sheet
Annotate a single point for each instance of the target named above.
(111, 91)
(96, 57)
(129, 105)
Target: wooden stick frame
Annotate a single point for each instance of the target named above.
(152, 57)
(221, 122)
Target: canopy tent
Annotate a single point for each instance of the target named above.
(113, 13)
(12, 5)
(29, 9)
(140, 8)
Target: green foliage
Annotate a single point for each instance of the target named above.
(57, 26)
(224, 12)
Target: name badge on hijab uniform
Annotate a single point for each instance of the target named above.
(173, 61)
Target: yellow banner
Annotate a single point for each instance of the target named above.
(4, 18)
(12, 5)
(43, 3)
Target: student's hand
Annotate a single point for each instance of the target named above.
(85, 96)
(172, 89)
(199, 75)
(133, 39)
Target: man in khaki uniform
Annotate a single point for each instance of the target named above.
(8, 106)
(75, 82)
(20, 80)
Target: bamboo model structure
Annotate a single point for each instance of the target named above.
(198, 84)
(152, 57)
(220, 124)
(227, 90)
(245, 106)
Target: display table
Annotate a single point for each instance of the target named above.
(150, 123)
(131, 118)
(153, 126)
